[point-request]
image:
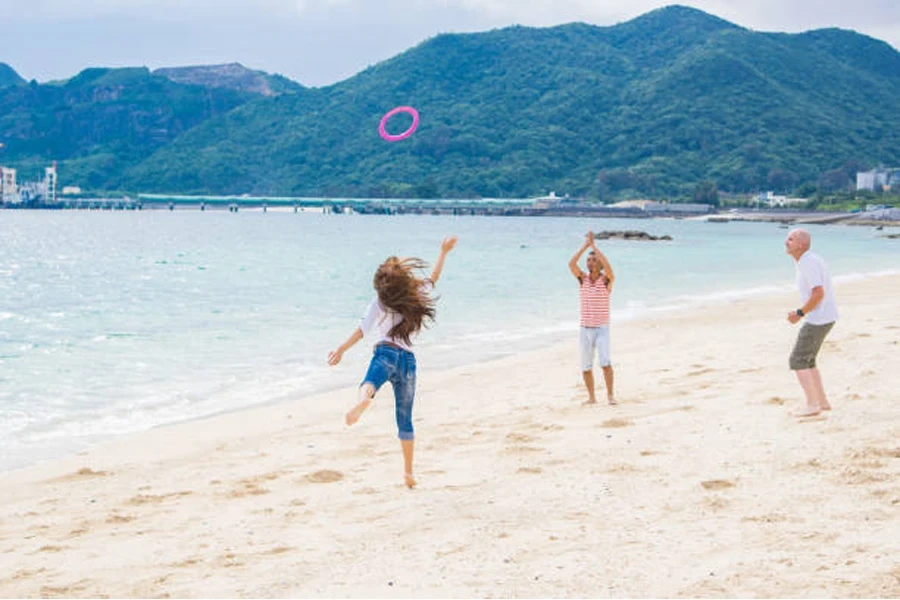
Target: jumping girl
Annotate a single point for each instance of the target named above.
(393, 319)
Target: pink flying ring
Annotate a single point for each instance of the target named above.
(400, 136)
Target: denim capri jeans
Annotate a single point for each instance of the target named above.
(390, 363)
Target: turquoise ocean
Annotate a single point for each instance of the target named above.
(115, 322)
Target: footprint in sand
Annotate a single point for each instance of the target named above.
(530, 470)
(854, 476)
(873, 451)
(252, 486)
(777, 400)
(616, 423)
(257, 479)
(82, 529)
(75, 589)
(26, 574)
(620, 468)
(116, 519)
(522, 449)
(519, 438)
(155, 498)
(81, 474)
(551, 427)
(767, 518)
(325, 476)
(699, 372)
(716, 503)
(716, 484)
(248, 489)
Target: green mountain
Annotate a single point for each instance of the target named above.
(102, 121)
(649, 108)
(8, 76)
(233, 76)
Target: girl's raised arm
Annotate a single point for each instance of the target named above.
(446, 246)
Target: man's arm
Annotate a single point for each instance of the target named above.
(607, 268)
(446, 246)
(815, 297)
(573, 262)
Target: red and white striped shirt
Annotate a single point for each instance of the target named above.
(594, 302)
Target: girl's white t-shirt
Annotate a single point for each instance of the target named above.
(378, 321)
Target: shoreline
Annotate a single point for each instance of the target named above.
(699, 473)
(549, 336)
(463, 207)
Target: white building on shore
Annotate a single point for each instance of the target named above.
(42, 191)
(878, 179)
(9, 190)
(773, 200)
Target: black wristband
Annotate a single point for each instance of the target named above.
(800, 312)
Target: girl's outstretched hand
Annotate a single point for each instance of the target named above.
(334, 357)
(448, 244)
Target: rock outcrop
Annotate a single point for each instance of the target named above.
(631, 235)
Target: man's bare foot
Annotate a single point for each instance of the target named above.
(589, 401)
(410, 480)
(357, 411)
(612, 400)
(806, 412)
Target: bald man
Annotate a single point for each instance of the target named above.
(820, 311)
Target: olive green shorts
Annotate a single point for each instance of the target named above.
(809, 340)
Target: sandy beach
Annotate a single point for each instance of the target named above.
(698, 484)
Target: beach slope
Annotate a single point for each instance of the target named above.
(697, 484)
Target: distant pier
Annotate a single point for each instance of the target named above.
(394, 206)
(371, 206)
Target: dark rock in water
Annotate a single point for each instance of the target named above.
(631, 235)
(892, 236)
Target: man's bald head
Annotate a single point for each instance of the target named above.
(798, 241)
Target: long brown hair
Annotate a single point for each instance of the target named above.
(399, 290)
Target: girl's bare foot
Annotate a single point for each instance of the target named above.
(357, 411)
(806, 412)
(410, 480)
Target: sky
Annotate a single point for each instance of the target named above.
(320, 42)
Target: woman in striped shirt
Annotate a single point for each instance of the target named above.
(596, 286)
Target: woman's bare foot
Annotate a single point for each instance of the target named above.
(825, 406)
(410, 480)
(806, 412)
(357, 411)
(588, 402)
(612, 400)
